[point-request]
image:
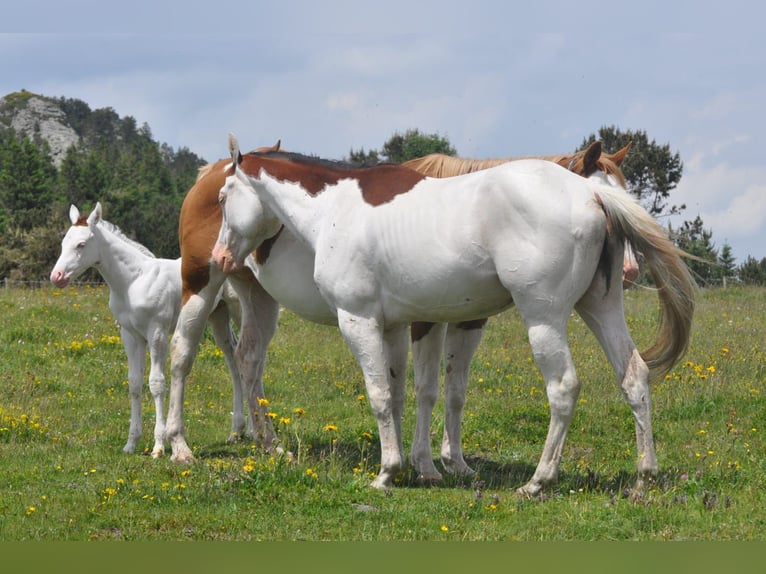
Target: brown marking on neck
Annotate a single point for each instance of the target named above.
(263, 251)
(379, 184)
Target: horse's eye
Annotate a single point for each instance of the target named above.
(221, 198)
(81, 245)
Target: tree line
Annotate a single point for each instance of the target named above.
(142, 184)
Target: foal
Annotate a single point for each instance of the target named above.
(144, 297)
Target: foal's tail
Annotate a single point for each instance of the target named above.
(675, 285)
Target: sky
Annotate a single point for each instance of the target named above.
(496, 78)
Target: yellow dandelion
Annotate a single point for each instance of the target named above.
(263, 402)
(31, 510)
(444, 528)
(299, 411)
(186, 472)
(330, 427)
(284, 420)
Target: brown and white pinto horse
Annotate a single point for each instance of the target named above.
(528, 233)
(276, 261)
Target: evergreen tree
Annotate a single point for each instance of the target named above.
(402, 147)
(693, 238)
(726, 262)
(651, 170)
(27, 177)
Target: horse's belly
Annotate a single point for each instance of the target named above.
(450, 300)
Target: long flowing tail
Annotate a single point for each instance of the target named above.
(676, 287)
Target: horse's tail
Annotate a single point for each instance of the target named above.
(674, 282)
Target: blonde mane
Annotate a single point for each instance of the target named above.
(583, 162)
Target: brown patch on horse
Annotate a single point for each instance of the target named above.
(82, 222)
(472, 325)
(420, 329)
(379, 184)
(263, 251)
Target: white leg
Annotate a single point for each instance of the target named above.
(365, 338)
(227, 342)
(603, 312)
(183, 348)
(158, 353)
(135, 349)
(259, 323)
(461, 343)
(551, 352)
(427, 344)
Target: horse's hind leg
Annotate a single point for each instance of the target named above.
(220, 323)
(551, 352)
(461, 343)
(259, 324)
(135, 349)
(427, 345)
(604, 314)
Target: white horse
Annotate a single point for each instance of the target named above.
(144, 297)
(528, 233)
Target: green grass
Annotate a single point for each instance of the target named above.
(64, 418)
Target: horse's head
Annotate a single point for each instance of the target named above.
(78, 250)
(246, 221)
(594, 163)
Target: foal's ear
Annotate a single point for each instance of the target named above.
(95, 215)
(236, 156)
(74, 214)
(590, 159)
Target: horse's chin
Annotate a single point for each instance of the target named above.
(61, 282)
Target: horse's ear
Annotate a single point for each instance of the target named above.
(277, 145)
(236, 156)
(95, 215)
(619, 156)
(590, 159)
(74, 214)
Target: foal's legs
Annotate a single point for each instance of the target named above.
(135, 349)
(158, 354)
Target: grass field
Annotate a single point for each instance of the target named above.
(64, 419)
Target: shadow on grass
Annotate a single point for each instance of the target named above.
(490, 474)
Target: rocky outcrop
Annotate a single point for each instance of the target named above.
(39, 118)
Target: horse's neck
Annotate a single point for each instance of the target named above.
(119, 262)
(295, 208)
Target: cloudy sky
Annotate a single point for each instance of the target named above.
(497, 79)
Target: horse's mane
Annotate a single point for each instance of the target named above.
(117, 232)
(441, 165)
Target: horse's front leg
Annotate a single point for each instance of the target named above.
(158, 354)
(427, 345)
(258, 326)
(364, 336)
(135, 349)
(183, 348)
